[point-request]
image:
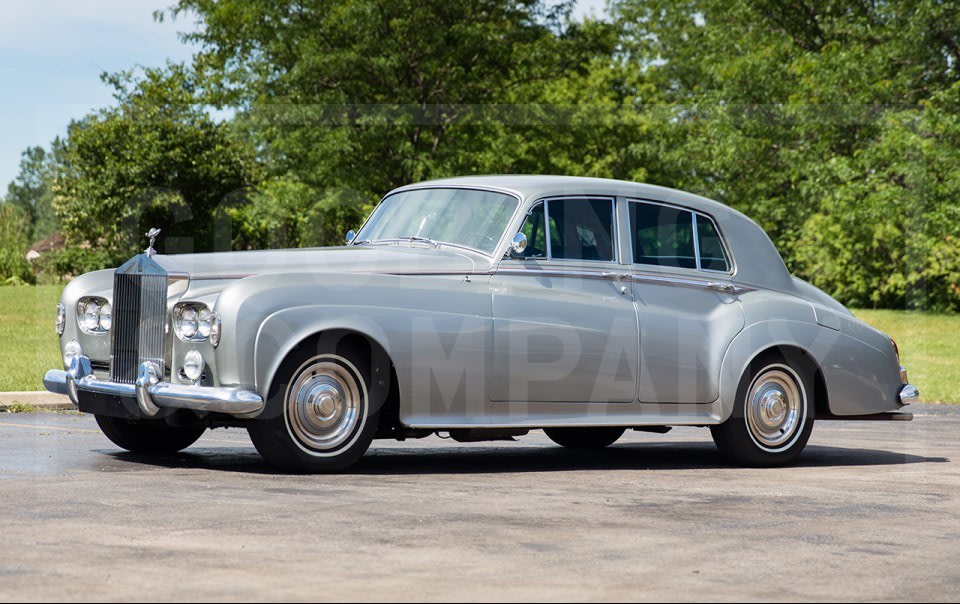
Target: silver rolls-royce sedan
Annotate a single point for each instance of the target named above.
(481, 307)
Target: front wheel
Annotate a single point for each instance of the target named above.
(320, 419)
(773, 415)
(154, 437)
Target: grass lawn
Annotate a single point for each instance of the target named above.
(28, 339)
(28, 344)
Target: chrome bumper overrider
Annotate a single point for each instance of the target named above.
(150, 392)
(909, 395)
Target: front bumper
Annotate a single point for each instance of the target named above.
(150, 393)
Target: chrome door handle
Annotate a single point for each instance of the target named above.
(727, 288)
(615, 276)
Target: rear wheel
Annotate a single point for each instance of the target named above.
(584, 438)
(320, 418)
(773, 415)
(154, 437)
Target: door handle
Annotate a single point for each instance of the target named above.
(727, 288)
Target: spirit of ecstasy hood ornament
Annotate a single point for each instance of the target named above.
(152, 234)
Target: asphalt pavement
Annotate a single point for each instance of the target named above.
(869, 512)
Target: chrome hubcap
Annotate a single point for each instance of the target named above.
(323, 405)
(775, 408)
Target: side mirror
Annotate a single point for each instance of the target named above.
(350, 237)
(517, 246)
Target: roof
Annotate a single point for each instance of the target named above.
(529, 186)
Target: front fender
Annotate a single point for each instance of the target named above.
(283, 330)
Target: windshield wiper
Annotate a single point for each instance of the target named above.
(423, 239)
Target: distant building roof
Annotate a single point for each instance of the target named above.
(55, 241)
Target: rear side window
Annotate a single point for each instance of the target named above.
(712, 256)
(662, 235)
(665, 236)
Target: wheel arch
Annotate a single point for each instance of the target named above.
(285, 332)
(746, 348)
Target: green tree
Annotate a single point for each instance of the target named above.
(828, 123)
(157, 159)
(372, 94)
(14, 226)
(32, 191)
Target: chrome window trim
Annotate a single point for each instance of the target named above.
(546, 227)
(632, 277)
(731, 261)
(696, 240)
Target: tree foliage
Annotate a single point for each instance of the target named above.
(14, 227)
(158, 158)
(833, 124)
(32, 192)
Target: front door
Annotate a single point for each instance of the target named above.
(564, 321)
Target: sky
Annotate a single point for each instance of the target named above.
(52, 53)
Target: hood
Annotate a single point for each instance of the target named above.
(390, 258)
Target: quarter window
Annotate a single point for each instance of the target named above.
(712, 256)
(535, 230)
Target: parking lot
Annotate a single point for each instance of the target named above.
(870, 512)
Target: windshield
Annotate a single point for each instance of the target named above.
(474, 219)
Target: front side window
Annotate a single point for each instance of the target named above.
(581, 229)
(471, 218)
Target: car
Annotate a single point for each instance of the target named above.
(483, 308)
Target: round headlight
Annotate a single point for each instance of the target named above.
(193, 365)
(187, 321)
(90, 316)
(203, 322)
(106, 317)
(70, 350)
(61, 318)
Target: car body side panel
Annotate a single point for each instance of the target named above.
(563, 339)
(684, 332)
(858, 363)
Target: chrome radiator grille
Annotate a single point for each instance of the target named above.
(139, 317)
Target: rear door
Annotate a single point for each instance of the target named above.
(688, 310)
